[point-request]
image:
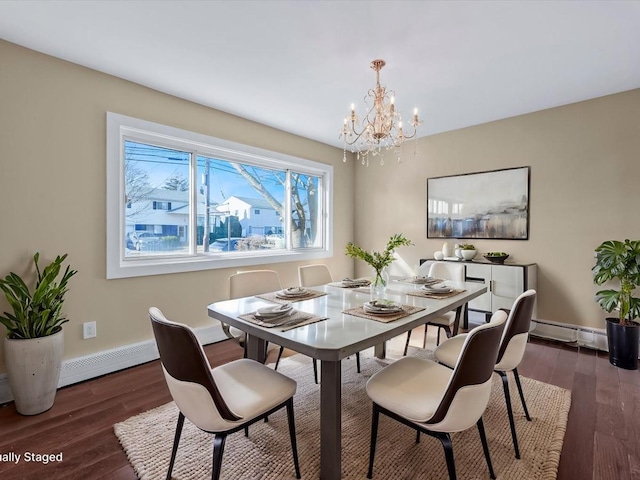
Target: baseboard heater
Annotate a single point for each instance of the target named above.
(79, 369)
(588, 337)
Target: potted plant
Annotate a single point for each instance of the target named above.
(379, 260)
(620, 261)
(34, 341)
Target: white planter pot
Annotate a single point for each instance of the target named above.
(33, 366)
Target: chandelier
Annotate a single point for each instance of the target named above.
(381, 129)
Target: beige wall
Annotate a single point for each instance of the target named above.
(585, 173)
(52, 192)
(584, 189)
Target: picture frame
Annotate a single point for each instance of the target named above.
(492, 204)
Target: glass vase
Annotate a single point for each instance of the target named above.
(379, 284)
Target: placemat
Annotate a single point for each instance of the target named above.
(272, 297)
(289, 322)
(406, 311)
(438, 296)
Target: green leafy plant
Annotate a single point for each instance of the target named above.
(39, 313)
(619, 261)
(379, 260)
(467, 246)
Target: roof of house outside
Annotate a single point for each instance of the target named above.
(253, 202)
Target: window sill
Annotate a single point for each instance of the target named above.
(168, 265)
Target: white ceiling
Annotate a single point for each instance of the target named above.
(298, 65)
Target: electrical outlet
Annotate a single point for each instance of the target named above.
(88, 330)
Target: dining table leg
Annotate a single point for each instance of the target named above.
(330, 420)
(380, 350)
(256, 348)
(465, 317)
(456, 322)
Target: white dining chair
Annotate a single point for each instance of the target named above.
(315, 275)
(246, 284)
(312, 275)
(511, 353)
(446, 271)
(222, 400)
(432, 399)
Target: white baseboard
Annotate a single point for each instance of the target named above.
(83, 368)
(595, 338)
(97, 364)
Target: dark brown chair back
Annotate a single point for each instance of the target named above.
(476, 361)
(183, 358)
(519, 320)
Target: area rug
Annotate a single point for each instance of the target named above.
(266, 454)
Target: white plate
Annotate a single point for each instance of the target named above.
(274, 310)
(274, 318)
(348, 282)
(293, 292)
(424, 279)
(382, 308)
(438, 288)
(383, 312)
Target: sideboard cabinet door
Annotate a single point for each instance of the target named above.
(507, 283)
(482, 274)
(504, 282)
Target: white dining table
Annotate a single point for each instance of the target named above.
(338, 337)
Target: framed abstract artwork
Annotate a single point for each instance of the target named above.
(492, 204)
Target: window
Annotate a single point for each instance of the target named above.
(180, 201)
(157, 205)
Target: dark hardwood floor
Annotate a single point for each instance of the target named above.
(602, 441)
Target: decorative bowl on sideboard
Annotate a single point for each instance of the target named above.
(493, 258)
(468, 254)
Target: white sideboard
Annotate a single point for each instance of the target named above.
(504, 282)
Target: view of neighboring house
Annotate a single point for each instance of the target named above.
(161, 212)
(256, 215)
(165, 212)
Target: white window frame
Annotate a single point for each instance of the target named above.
(121, 128)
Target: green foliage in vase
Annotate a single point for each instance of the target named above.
(467, 246)
(39, 313)
(619, 261)
(379, 260)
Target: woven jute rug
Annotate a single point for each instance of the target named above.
(147, 438)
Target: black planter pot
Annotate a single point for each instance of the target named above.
(623, 344)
